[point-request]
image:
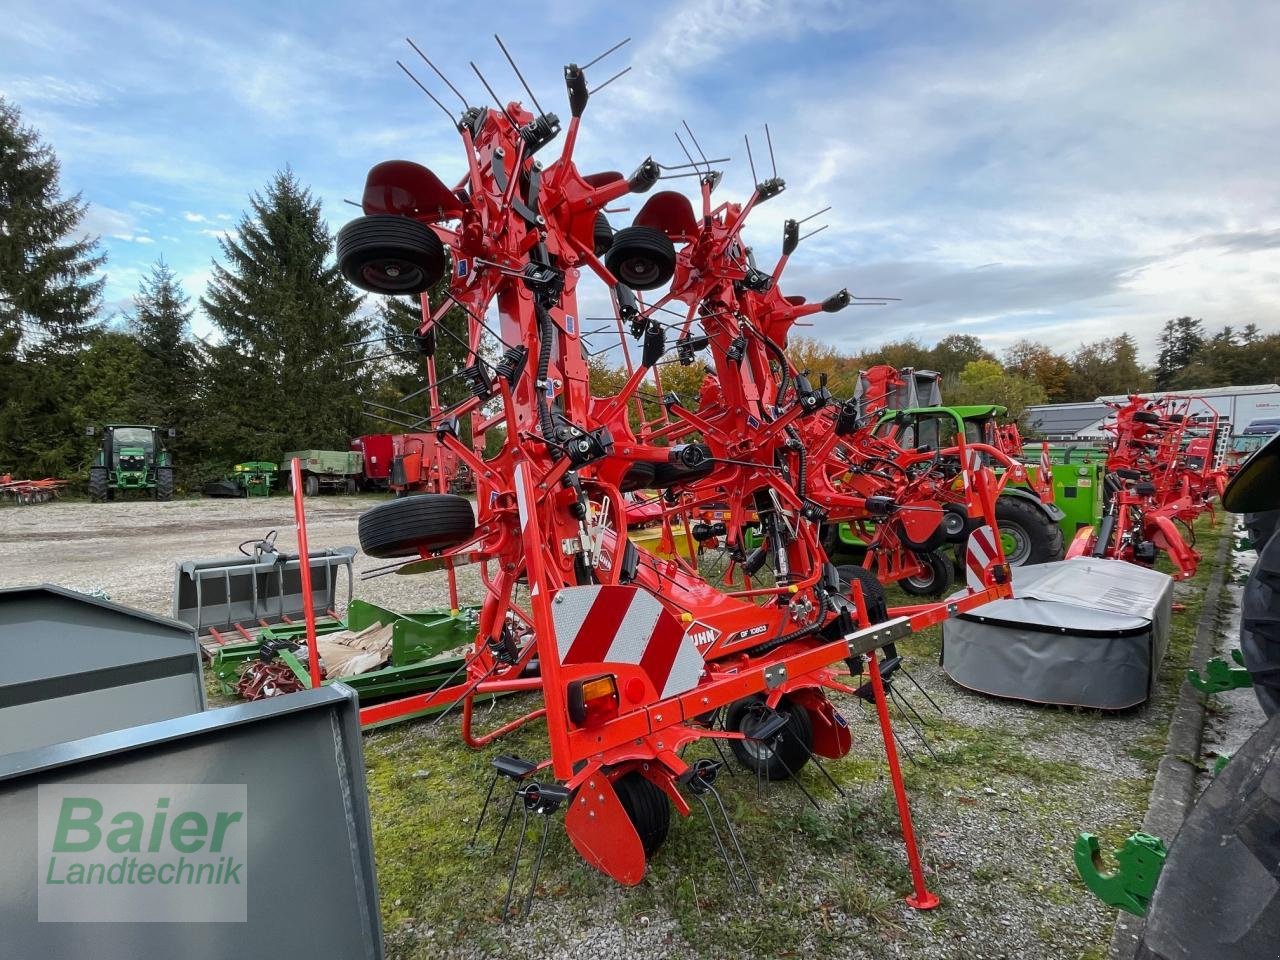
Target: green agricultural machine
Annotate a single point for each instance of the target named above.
(252, 479)
(131, 457)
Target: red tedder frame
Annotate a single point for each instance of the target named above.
(638, 655)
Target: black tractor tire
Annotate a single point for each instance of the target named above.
(934, 582)
(164, 483)
(99, 484)
(390, 255)
(790, 751)
(872, 590)
(602, 235)
(310, 485)
(642, 258)
(426, 521)
(1038, 539)
(648, 808)
(1147, 417)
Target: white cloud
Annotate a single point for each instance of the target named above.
(195, 217)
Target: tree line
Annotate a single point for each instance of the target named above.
(298, 359)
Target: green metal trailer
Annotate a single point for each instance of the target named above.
(326, 470)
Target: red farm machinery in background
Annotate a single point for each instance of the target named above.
(1162, 474)
(634, 655)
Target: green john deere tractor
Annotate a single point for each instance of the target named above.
(130, 457)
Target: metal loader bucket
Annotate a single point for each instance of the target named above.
(223, 593)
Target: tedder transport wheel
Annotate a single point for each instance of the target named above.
(872, 591)
(427, 521)
(787, 754)
(98, 484)
(933, 582)
(648, 808)
(390, 255)
(642, 258)
(601, 235)
(164, 483)
(1146, 416)
(1027, 533)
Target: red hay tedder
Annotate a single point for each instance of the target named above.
(635, 656)
(1161, 475)
(25, 492)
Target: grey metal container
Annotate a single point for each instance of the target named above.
(72, 666)
(310, 888)
(250, 591)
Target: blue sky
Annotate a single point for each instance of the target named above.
(1064, 171)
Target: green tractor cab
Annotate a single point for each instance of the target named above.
(130, 457)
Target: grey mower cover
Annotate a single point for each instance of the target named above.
(1219, 893)
(1084, 632)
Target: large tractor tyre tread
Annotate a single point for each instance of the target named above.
(390, 255)
(642, 258)
(99, 484)
(1037, 538)
(164, 483)
(935, 582)
(872, 591)
(647, 807)
(790, 751)
(426, 521)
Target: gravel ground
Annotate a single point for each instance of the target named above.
(997, 806)
(129, 548)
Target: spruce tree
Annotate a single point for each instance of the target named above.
(283, 315)
(168, 373)
(49, 296)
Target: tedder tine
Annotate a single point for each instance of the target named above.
(701, 781)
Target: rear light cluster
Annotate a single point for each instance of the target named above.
(594, 700)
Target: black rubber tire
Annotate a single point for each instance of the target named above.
(872, 591)
(164, 483)
(936, 583)
(99, 484)
(792, 749)
(648, 808)
(390, 255)
(956, 517)
(1040, 537)
(426, 521)
(642, 258)
(602, 235)
(1147, 417)
(353, 487)
(310, 485)
(639, 476)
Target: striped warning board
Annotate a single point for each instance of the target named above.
(978, 555)
(624, 624)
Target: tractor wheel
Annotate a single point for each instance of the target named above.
(933, 582)
(164, 483)
(788, 753)
(390, 255)
(602, 235)
(427, 521)
(310, 485)
(647, 807)
(1147, 417)
(98, 484)
(872, 591)
(1027, 533)
(642, 258)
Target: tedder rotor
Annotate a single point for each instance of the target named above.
(635, 655)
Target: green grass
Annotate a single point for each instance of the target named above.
(816, 868)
